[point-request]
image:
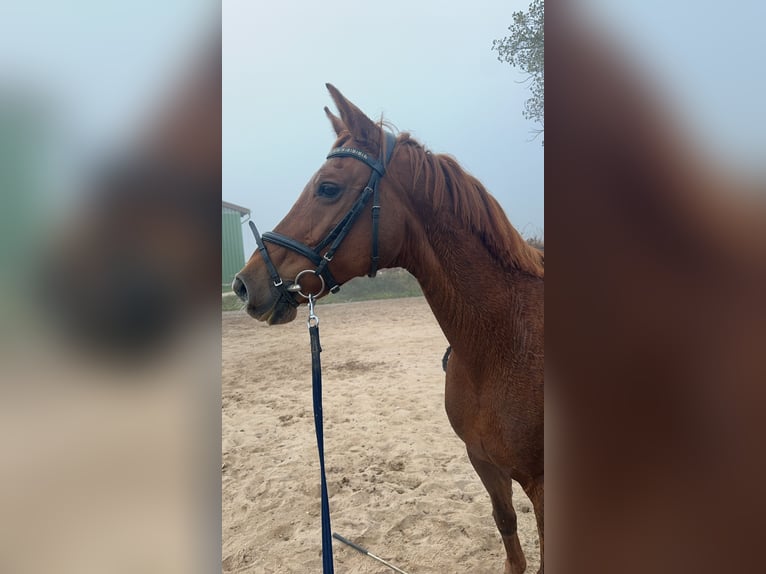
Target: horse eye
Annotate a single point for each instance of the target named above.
(328, 190)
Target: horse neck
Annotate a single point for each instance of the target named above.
(482, 306)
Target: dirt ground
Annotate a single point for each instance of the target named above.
(399, 479)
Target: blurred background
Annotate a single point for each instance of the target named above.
(110, 177)
(110, 123)
(655, 315)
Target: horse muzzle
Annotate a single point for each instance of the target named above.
(270, 307)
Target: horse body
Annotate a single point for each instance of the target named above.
(494, 401)
(492, 316)
(480, 278)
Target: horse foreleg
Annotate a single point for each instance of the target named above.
(535, 490)
(499, 487)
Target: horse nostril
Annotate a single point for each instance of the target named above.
(238, 286)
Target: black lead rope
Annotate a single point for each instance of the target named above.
(332, 241)
(316, 379)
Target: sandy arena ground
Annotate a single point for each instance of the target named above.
(399, 479)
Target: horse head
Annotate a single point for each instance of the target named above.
(330, 231)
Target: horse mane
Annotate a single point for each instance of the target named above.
(449, 185)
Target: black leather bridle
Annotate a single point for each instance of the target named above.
(338, 233)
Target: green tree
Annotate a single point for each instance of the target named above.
(525, 49)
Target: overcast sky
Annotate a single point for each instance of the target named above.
(706, 59)
(426, 66)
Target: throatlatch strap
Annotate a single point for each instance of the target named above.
(316, 379)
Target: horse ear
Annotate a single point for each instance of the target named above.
(362, 128)
(337, 123)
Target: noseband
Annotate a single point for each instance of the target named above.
(338, 233)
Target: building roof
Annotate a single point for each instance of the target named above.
(234, 207)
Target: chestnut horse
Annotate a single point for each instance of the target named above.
(483, 282)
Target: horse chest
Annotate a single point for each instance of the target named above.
(472, 412)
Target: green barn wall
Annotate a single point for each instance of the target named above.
(233, 256)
